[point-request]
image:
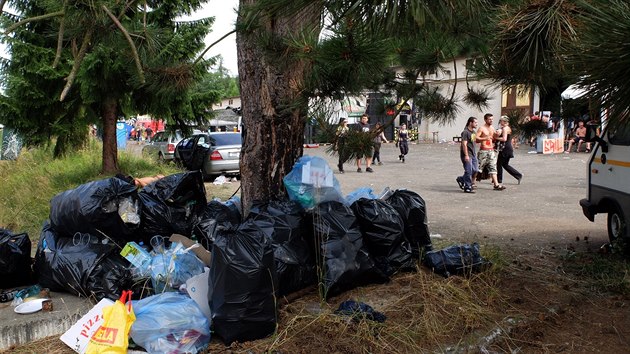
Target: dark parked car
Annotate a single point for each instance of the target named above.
(213, 153)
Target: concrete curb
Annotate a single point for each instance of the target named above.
(17, 329)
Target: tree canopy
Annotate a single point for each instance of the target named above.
(91, 62)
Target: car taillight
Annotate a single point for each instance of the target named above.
(216, 155)
(170, 147)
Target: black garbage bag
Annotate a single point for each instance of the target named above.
(384, 235)
(359, 311)
(81, 265)
(243, 282)
(295, 262)
(15, 259)
(413, 210)
(456, 260)
(94, 208)
(173, 204)
(344, 259)
(216, 217)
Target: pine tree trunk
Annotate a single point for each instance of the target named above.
(274, 111)
(110, 147)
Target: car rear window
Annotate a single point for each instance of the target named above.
(226, 139)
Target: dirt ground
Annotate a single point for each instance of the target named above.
(535, 226)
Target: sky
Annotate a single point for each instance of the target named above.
(225, 17)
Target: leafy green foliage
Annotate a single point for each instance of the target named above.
(67, 68)
(599, 56)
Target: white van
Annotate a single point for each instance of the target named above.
(609, 180)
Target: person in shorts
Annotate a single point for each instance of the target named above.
(487, 155)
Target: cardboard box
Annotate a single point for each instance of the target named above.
(199, 250)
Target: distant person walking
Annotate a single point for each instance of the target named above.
(378, 140)
(340, 145)
(364, 126)
(504, 139)
(468, 156)
(403, 142)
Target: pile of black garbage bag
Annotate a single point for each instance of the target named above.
(278, 249)
(79, 247)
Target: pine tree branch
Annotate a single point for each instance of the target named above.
(134, 51)
(77, 63)
(60, 37)
(454, 83)
(212, 45)
(14, 26)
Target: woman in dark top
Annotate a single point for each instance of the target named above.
(506, 152)
(403, 138)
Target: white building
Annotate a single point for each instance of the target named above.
(453, 77)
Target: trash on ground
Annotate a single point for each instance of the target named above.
(170, 323)
(78, 336)
(220, 180)
(112, 337)
(456, 260)
(29, 307)
(359, 311)
(295, 263)
(384, 235)
(362, 192)
(84, 265)
(243, 283)
(173, 204)
(15, 259)
(93, 208)
(340, 250)
(412, 209)
(311, 181)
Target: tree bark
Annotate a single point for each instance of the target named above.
(274, 110)
(110, 147)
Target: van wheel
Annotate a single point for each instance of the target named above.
(617, 228)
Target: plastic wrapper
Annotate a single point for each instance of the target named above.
(384, 235)
(243, 283)
(94, 208)
(311, 181)
(456, 260)
(82, 265)
(363, 192)
(412, 209)
(217, 216)
(343, 256)
(295, 263)
(170, 268)
(170, 323)
(15, 259)
(173, 204)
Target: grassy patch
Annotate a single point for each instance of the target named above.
(605, 273)
(29, 183)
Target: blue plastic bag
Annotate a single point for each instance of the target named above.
(311, 181)
(173, 267)
(170, 323)
(361, 192)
